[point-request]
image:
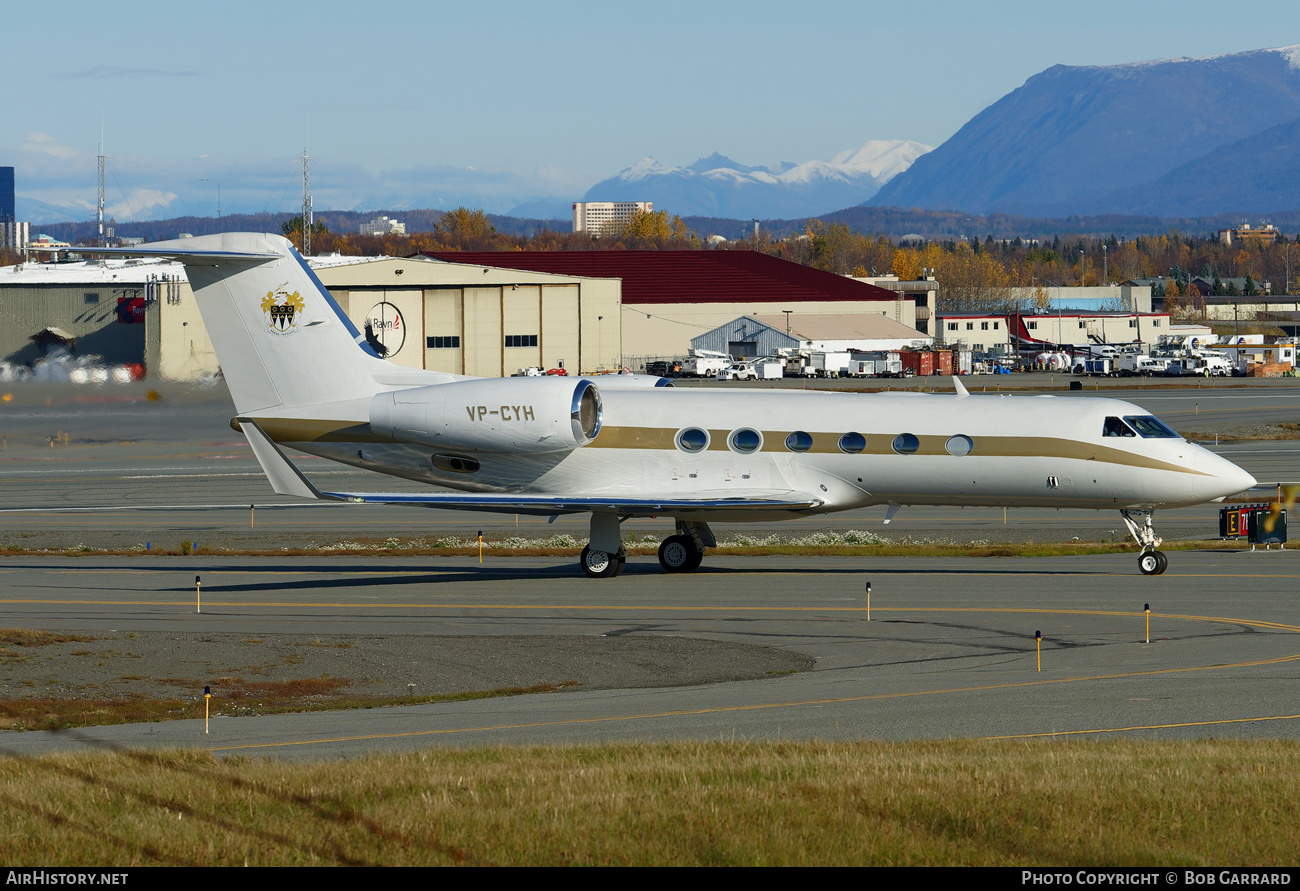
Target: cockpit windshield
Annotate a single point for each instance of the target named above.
(1116, 427)
(1150, 427)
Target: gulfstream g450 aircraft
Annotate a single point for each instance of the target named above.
(302, 376)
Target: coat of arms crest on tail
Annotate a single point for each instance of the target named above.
(283, 311)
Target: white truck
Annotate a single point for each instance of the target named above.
(1134, 364)
(704, 363)
(740, 371)
(827, 364)
(1200, 365)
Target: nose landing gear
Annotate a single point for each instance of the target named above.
(1152, 563)
(1150, 560)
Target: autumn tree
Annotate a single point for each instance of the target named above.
(292, 229)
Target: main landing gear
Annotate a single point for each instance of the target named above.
(605, 557)
(678, 553)
(602, 564)
(684, 551)
(1150, 561)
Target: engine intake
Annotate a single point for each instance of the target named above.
(494, 415)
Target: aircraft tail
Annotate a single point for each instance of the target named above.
(282, 340)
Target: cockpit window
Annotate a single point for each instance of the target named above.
(1116, 427)
(1150, 427)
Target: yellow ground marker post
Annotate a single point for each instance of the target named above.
(252, 523)
(198, 603)
(480, 546)
(868, 601)
(1146, 608)
(1038, 643)
(207, 697)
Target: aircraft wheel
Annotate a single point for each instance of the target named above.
(1151, 562)
(1164, 562)
(599, 564)
(679, 554)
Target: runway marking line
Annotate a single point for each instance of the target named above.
(1259, 623)
(756, 707)
(1144, 727)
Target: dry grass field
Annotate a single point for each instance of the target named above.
(955, 802)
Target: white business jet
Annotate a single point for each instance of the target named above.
(302, 376)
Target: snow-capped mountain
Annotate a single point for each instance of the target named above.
(1163, 137)
(717, 186)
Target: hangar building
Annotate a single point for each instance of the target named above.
(670, 297)
(475, 318)
(485, 314)
(127, 311)
(755, 336)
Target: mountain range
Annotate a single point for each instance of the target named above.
(1168, 137)
(717, 186)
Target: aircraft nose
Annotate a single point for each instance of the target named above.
(1231, 479)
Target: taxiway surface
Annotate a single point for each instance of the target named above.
(948, 650)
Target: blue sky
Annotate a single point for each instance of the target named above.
(494, 103)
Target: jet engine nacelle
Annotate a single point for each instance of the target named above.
(513, 414)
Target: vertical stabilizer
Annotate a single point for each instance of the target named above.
(282, 340)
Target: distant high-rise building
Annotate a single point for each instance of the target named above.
(7, 212)
(14, 236)
(597, 216)
(383, 226)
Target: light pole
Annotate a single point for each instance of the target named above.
(1105, 274)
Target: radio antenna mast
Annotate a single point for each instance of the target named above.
(100, 212)
(306, 195)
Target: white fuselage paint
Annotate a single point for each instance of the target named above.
(1026, 451)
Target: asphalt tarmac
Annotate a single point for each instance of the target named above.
(948, 649)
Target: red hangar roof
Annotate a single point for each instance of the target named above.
(686, 276)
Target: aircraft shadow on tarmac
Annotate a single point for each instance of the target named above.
(405, 574)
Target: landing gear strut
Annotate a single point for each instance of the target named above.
(605, 557)
(1150, 561)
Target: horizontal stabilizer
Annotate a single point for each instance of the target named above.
(285, 478)
(178, 252)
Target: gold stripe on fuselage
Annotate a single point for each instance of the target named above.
(286, 430)
(882, 444)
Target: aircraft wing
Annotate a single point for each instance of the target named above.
(287, 479)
